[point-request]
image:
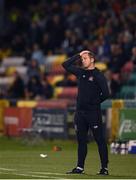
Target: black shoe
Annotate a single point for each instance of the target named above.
(103, 171)
(76, 171)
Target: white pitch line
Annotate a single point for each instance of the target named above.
(28, 175)
(24, 174)
(61, 174)
(7, 169)
(31, 173)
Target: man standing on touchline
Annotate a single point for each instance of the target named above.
(92, 91)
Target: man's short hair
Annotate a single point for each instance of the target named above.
(92, 54)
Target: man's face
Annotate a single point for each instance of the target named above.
(86, 60)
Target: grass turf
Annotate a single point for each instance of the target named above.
(20, 159)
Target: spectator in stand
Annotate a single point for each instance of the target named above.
(34, 32)
(47, 90)
(16, 90)
(37, 54)
(33, 69)
(46, 44)
(71, 42)
(18, 45)
(102, 49)
(55, 27)
(127, 41)
(34, 88)
(113, 84)
(118, 58)
(3, 94)
(27, 55)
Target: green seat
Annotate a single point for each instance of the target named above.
(128, 92)
(131, 82)
(133, 76)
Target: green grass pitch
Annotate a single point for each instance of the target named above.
(20, 159)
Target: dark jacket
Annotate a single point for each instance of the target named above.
(92, 85)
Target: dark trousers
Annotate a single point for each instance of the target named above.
(83, 122)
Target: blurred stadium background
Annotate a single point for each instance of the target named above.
(37, 96)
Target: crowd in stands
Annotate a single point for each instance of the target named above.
(35, 29)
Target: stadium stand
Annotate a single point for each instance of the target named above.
(48, 32)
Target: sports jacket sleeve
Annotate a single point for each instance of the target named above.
(102, 83)
(70, 67)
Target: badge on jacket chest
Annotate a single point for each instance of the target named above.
(91, 78)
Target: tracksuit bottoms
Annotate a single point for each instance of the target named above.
(85, 121)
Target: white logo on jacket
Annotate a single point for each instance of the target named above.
(91, 78)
